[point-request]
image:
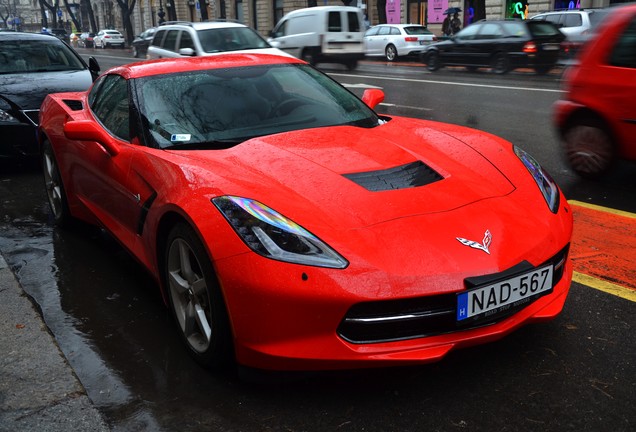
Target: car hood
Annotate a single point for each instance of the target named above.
(355, 177)
(27, 91)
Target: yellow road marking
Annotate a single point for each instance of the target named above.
(604, 286)
(603, 209)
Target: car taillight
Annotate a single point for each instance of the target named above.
(410, 39)
(530, 47)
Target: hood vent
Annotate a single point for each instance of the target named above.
(75, 105)
(410, 175)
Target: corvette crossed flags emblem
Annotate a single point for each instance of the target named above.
(482, 246)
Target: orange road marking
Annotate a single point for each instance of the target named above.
(603, 249)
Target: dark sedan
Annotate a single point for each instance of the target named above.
(141, 42)
(32, 66)
(501, 45)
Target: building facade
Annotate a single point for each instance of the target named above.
(263, 15)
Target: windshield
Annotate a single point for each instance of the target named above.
(222, 107)
(25, 56)
(230, 39)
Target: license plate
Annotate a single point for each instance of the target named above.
(551, 47)
(500, 296)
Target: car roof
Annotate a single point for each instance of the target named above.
(11, 35)
(164, 66)
(204, 25)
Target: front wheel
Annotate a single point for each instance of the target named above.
(195, 298)
(391, 53)
(54, 188)
(500, 64)
(433, 62)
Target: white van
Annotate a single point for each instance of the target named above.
(322, 34)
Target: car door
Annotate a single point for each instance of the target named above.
(460, 50)
(371, 39)
(489, 42)
(618, 84)
(103, 180)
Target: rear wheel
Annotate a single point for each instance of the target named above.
(589, 148)
(391, 53)
(351, 64)
(433, 62)
(542, 70)
(195, 298)
(500, 64)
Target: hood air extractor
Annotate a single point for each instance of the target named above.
(410, 175)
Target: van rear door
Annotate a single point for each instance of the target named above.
(345, 32)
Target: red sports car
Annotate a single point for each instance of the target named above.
(291, 227)
(596, 117)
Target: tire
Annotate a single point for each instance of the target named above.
(135, 52)
(589, 148)
(351, 64)
(391, 53)
(500, 64)
(433, 62)
(308, 57)
(55, 191)
(195, 298)
(542, 70)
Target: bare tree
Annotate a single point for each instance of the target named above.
(127, 7)
(52, 7)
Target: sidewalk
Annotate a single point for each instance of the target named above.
(38, 388)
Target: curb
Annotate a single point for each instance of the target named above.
(38, 389)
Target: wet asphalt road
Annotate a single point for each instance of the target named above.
(574, 373)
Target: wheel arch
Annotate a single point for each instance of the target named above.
(585, 114)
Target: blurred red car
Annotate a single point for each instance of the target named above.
(291, 227)
(596, 117)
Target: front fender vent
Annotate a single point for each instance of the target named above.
(413, 174)
(75, 105)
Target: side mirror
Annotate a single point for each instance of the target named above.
(188, 52)
(86, 130)
(93, 67)
(372, 97)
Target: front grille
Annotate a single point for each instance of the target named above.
(405, 176)
(392, 320)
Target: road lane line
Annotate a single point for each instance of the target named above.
(604, 286)
(604, 249)
(453, 83)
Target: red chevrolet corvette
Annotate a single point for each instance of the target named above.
(289, 226)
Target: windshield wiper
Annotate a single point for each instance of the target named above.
(205, 145)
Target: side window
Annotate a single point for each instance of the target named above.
(373, 31)
(157, 39)
(354, 21)
(110, 104)
(554, 18)
(384, 31)
(624, 52)
(572, 20)
(468, 33)
(395, 31)
(170, 41)
(279, 30)
(490, 31)
(334, 23)
(186, 40)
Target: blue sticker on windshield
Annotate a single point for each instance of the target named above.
(180, 137)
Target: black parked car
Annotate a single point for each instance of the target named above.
(141, 42)
(32, 66)
(502, 45)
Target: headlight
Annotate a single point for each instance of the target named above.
(548, 187)
(8, 118)
(274, 236)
